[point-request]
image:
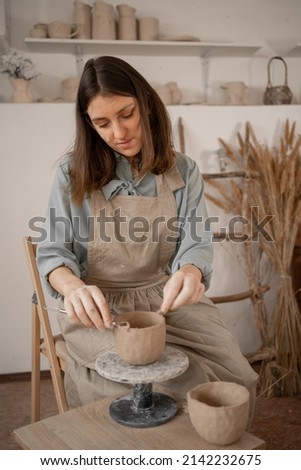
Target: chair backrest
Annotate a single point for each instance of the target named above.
(41, 329)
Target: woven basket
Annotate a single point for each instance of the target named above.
(280, 94)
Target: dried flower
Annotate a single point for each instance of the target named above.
(16, 66)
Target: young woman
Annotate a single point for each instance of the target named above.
(127, 231)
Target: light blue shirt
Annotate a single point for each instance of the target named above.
(63, 239)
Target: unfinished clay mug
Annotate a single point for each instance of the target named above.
(219, 411)
(62, 30)
(142, 343)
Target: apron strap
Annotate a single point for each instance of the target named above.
(172, 178)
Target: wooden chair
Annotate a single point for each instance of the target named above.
(44, 342)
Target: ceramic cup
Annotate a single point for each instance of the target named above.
(43, 26)
(219, 411)
(38, 33)
(142, 343)
(148, 28)
(62, 30)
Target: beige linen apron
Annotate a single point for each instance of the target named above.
(129, 266)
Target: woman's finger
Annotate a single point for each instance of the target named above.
(189, 294)
(182, 288)
(70, 311)
(171, 290)
(89, 306)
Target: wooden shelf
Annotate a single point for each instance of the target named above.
(155, 48)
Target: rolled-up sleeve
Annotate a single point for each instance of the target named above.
(195, 242)
(60, 245)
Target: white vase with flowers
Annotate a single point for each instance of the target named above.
(20, 72)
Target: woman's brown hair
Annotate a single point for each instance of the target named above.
(93, 162)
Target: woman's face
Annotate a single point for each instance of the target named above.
(117, 120)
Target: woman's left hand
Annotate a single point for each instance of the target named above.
(185, 287)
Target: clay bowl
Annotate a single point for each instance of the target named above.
(142, 343)
(219, 411)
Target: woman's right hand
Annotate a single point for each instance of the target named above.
(87, 305)
(84, 303)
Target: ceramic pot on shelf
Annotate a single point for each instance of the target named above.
(39, 30)
(82, 16)
(127, 23)
(165, 94)
(21, 92)
(62, 30)
(235, 92)
(103, 21)
(69, 88)
(176, 94)
(149, 28)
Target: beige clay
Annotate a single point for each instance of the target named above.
(142, 343)
(219, 411)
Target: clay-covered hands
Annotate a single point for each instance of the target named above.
(185, 287)
(87, 305)
(83, 303)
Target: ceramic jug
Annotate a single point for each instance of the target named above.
(127, 23)
(82, 16)
(103, 21)
(21, 92)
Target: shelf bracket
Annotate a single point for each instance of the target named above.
(205, 75)
(79, 57)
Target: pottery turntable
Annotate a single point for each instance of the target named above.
(143, 408)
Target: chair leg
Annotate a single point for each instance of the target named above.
(59, 391)
(35, 368)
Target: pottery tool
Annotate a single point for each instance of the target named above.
(123, 324)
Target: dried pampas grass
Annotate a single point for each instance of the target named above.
(275, 191)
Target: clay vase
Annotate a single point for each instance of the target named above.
(144, 342)
(176, 94)
(82, 16)
(148, 29)
(70, 87)
(219, 411)
(165, 94)
(127, 23)
(103, 21)
(236, 92)
(21, 92)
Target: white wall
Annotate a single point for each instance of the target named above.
(34, 136)
(274, 25)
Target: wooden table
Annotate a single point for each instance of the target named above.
(91, 427)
